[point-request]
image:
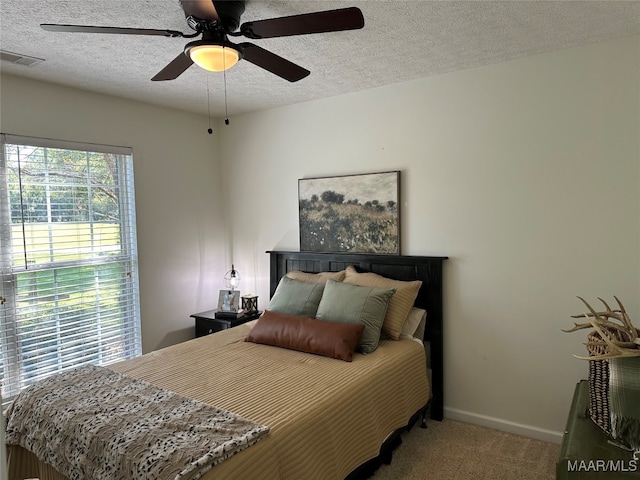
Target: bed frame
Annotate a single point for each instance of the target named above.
(406, 268)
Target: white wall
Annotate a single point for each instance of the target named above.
(526, 174)
(181, 239)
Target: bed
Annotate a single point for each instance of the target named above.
(326, 418)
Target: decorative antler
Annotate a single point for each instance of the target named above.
(618, 340)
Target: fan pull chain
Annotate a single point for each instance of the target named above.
(210, 130)
(224, 73)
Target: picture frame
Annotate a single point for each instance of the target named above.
(350, 213)
(229, 301)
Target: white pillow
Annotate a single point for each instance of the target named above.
(416, 318)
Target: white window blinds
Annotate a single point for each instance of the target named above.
(68, 259)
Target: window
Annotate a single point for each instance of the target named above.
(68, 259)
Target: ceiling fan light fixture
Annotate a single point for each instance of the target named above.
(214, 58)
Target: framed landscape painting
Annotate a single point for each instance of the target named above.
(353, 213)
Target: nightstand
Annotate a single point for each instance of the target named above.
(206, 322)
(586, 453)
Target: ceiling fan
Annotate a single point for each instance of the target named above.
(217, 20)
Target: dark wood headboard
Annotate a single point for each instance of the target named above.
(406, 268)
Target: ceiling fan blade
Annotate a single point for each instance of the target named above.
(319, 22)
(202, 9)
(118, 30)
(174, 69)
(273, 63)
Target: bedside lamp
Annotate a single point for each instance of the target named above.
(232, 278)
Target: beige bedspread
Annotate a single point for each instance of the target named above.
(325, 416)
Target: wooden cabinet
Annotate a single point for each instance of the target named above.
(207, 323)
(586, 453)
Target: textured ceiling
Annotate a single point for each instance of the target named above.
(401, 41)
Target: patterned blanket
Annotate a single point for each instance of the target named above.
(93, 423)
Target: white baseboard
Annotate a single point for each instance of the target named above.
(503, 425)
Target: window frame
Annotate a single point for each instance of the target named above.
(11, 364)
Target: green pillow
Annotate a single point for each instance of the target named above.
(294, 297)
(346, 303)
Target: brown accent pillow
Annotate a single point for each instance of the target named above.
(321, 277)
(330, 339)
(400, 303)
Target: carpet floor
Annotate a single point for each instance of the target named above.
(452, 450)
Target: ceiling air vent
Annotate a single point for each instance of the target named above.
(19, 59)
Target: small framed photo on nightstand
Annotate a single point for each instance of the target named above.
(229, 301)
